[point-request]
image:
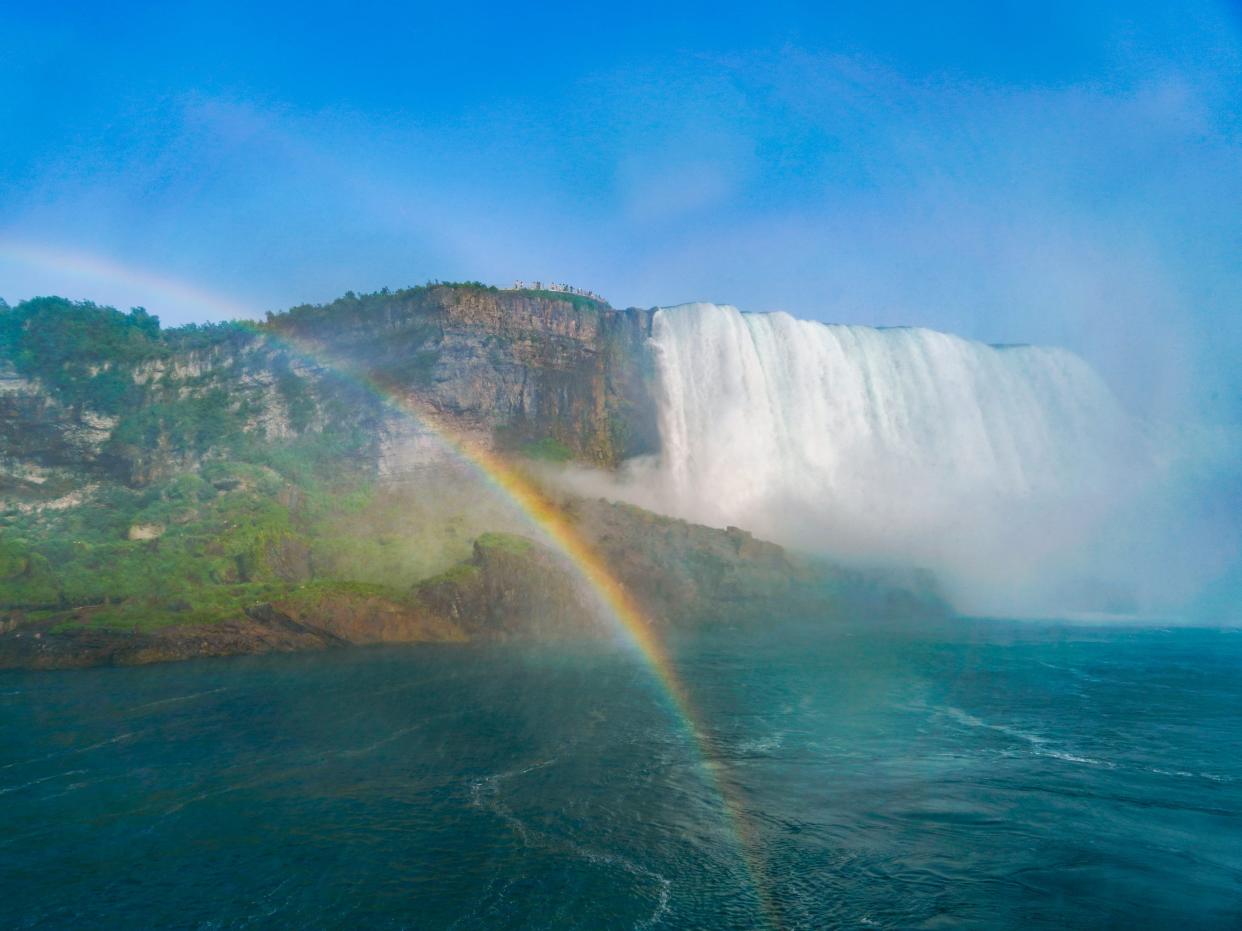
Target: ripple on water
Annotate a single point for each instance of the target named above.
(895, 784)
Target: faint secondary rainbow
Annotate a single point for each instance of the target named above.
(617, 603)
(96, 268)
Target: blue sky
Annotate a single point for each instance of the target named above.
(1015, 173)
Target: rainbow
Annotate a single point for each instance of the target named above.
(96, 268)
(616, 602)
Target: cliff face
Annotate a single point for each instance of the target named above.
(517, 367)
(76, 410)
(46, 446)
(560, 376)
(247, 488)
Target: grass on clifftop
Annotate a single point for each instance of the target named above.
(580, 301)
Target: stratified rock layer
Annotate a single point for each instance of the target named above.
(509, 368)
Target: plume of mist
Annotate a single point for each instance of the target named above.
(1014, 474)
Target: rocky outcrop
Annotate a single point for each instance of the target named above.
(510, 368)
(351, 614)
(50, 646)
(43, 443)
(511, 588)
(515, 366)
(684, 574)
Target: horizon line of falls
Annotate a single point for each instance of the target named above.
(1007, 471)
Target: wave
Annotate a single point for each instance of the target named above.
(1040, 746)
(1186, 774)
(59, 753)
(34, 782)
(177, 698)
(485, 794)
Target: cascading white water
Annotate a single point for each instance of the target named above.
(994, 466)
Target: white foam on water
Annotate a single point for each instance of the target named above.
(177, 698)
(34, 782)
(1039, 746)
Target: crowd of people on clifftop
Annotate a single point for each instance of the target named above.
(556, 286)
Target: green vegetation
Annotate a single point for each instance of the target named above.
(233, 466)
(184, 551)
(294, 522)
(86, 353)
(548, 449)
(470, 285)
(295, 391)
(461, 574)
(191, 425)
(81, 350)
(319, 593)
(580, 301)
(504, 543)
(352, 309)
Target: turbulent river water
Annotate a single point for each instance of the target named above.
(982, 774)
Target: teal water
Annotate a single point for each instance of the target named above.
(982, 775)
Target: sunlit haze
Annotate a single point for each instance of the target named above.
(1061, 174)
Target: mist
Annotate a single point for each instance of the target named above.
(1066, 178)
(1013, 473)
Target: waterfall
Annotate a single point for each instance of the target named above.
(995, 466)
